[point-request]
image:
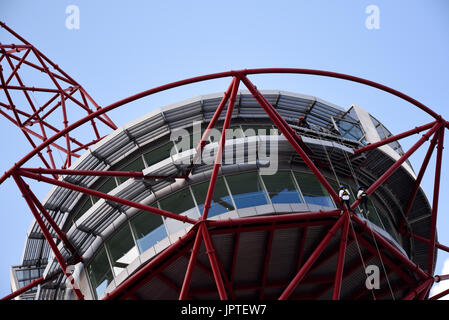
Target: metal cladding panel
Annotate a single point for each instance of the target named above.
(201, 278)
(183, 116)
(284, 254)
(87, 242)
(147, 126)
(152, 135)
(250, 257)
(175, 271)
(223, 244)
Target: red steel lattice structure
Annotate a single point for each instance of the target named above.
(203, 228)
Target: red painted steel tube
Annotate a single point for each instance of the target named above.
(416, 291)
(93, 173)
(209, 77)
(274, 219)
(211, 125)
(436, 194)
(61, 235)
(313, 257)
(143, 272)
(191, 266)
(106, 196)
(440, 295)
(271, 226)
(302, 245)
(293, 141)
(213, 259)
(394, 138)
(221, 147)
(341, 258)
(21, 184)
(420, 177)
(398, 163)
(391, 264)
(425, 240)
(24, 289)
(439, 278)
(398, 254)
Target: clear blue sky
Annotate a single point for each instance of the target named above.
(125, 47)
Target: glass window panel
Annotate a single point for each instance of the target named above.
(178, 202)
(148, 229)
(121, 249)
(281, 188)
(158, 154)
(137, 165)
(34, 273)
(247, 190)
(83, 209)
(106, 187)
(221, 200)
(312, 190)
(20, 275)
(100, 273)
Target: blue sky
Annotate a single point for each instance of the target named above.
(123, 48)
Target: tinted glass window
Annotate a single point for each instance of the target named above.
(221, 201)
(247, 190)
(121, 249)
(281, 187)
(99, 272)
(158, 154)
(148, 229)
(312, 190)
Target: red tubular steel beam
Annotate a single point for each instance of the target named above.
(61, 235)
(341, 258)
(213, 259)
(25, 288)
(398, 254)
(436, 194)
(275, 117)
(209, 77)
(69, 172)
(425, 240)
(190, 267)
(21, 184)
(316, 253)
(275, 219)
(440, 295)
(398, 163)
(416, 291)
(394, 138)
(439, 278)
(221, 147)
(211, 125)
(129, 285)
(420, 177)
(394, 266)
(106, 196)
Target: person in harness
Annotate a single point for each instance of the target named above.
(344, 197)
(361, 194)
(302, 122)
